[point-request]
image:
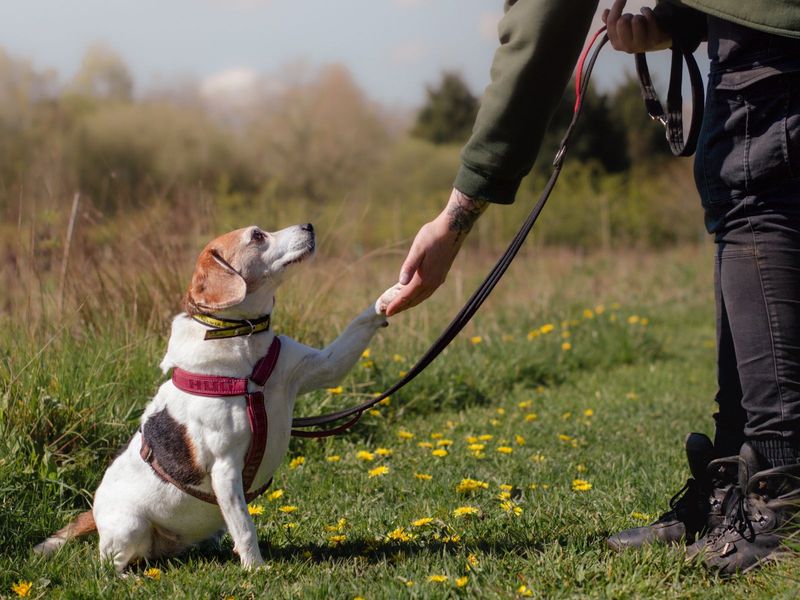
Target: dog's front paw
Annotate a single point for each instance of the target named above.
(252, 562)
(386, 298)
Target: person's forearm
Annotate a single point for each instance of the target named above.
(539, 45)
(461, 213)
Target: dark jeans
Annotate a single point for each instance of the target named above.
(747, 170)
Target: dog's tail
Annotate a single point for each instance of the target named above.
(82, 525)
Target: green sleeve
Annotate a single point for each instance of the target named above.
(539, 45)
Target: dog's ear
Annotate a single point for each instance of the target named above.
(215, 284)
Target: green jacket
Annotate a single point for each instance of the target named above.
(539, 45)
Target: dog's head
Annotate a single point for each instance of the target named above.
(239, 271)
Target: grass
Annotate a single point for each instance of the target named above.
(611, 410)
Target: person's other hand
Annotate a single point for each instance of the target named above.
(433, 251)
(634, 33)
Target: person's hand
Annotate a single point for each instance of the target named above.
(634, 33)
(434, 250)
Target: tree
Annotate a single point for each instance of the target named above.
(645, 139)
(103, 74)
(449, 112)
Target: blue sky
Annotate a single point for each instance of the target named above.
(393, 47)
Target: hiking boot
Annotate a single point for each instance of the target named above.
(689, 508)
(723, 473)
(764, 517)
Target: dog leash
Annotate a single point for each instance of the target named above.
(673, 123)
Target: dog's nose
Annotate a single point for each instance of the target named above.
(307, 227)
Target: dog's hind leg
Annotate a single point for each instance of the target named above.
(126, 539)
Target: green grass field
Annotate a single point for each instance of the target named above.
(566, 401)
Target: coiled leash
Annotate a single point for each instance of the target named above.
(672, 121)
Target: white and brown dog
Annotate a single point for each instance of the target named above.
(203, 441)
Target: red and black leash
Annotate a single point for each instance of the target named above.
(672, 120)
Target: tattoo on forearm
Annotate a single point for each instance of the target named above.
(463, 212)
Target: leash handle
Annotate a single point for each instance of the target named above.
(492, 279)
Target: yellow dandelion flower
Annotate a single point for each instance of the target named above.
(511, 508)
(383, 452)
(567, 415)
(520, 441)
(335, 540)
(386, 401)
(462, 581)
(485, 437)
(565, 334)
(451, 539)
(505, 449)
(538, 458)
(365, 353)
(405, 435)
(504, 495)
(255, 509)
(463, 511)
(365, 455)
(581, 485)
(588, 313)
(333, 458)
(274, 495)
(399, 535)
(494, 422)
(531, 417)
(546, 328)
(476, 339)
(335, 390)
(633, 319)
(631, 395)
(374, 412)
(525, 591)
(287, 508)
(378, 471)
(525, 404)
(450, 424)
(471, 439)
(643, 322)
(153, 573)
(471, 485)
(22, 588)
(501, 411)
(539, 389)
(359, 598)
(297, 461)
(338, 526)
(640, 516)
(425, 444)
(599, 309)
(533, 334)
(444, 443)
(397, 358)
(533, 486)
(580, 468)
(472, 560)
(438, 578)
(422, 522)
(440, 452)
(409, 583)
(588, 412)
(566, 346)
(506, 487)
(367, 364)
(476, 447)
(564, 437)
(290, 525)
(437, 436)
(423, 476)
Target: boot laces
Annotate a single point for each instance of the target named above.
(681, 496)
(742, 519)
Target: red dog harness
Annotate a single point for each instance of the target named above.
(216, 385)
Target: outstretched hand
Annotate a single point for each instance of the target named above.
(433, 251)
(634, 33)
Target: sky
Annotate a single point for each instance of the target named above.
(392, 47)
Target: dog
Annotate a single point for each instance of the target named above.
(200, 442)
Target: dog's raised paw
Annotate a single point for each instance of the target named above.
(386, 298)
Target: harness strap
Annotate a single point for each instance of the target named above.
(213, 385)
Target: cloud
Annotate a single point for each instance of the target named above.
(409, 53)
(487, 25)
(236, 81)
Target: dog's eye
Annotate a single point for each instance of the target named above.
(257, 236)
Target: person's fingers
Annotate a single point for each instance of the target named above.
(625, 33)
(612, 18)
(604, 16)
(639, 34)
(655, 35)
(409, 296)
(411, 263)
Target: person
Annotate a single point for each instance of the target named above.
(744, 487)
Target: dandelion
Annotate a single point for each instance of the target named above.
(335, 390)
(335, 540)
(367, 364)
(564, 437)
(566, 346)
(580, 468)
(383, 452)
(365, 455)
(333, 458)
(643, 322)
(494, 422)
(471, 485)
(437, 436)
(399, 535)
(539, 389)
(472, 561)
(567, 415)
(440, 453)
(505, 449)
(405, 435)
(375, 412)
(365, 353)
(444, 443)
(397, 358)
(424, 445)
(504, 495)
(463, 511)
(599, 309)
(386, 401)
(438, 578)
(255, 509)
(476, 339)
(531, 417)
(422, 522)
(525, 404)
(640, 516)
(581, 485)
(520, 441)
(471, 439)
(451, 539)
(511, 508)
(631, 395)
(485, 437)
(588, 314)
(501, 411)
(423, 476)
(338, 526)
(525, 591)
(402, 373)
(153, 573)
(532, 335)
(546, 328)
(462, 581)
(538, 458)
(297, 461)
(274, 495)
(633, 319)
(476, 447)
(378, 471)
(506, 487)
(22, 588)
(588, 412)
(290, 525)
(565, 334)
(287, 508)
